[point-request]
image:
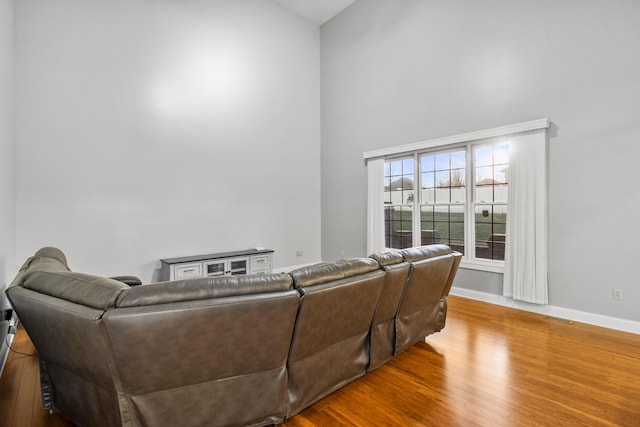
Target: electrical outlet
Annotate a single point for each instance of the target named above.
(617, 293)
(298, 253)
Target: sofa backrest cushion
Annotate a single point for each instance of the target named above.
(331, 271)
(48, 256)
(396, 274)
(92, 291)
(47, 272)
(425, 252)
(46, 259)
(417, 256)
(204, 288)
(388, 257)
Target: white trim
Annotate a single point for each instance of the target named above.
(483, 266)
(455, 139)
(5, 356)
(375, 200)
(551, 310)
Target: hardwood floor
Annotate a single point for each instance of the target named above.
(490, 366)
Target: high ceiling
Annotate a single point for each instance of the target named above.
(316, 11)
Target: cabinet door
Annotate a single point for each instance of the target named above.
(215, 268)
(237, 266)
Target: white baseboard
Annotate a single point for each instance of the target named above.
(551, 310)
(3, 357)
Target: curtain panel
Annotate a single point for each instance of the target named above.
(375, 203)
(525, 267)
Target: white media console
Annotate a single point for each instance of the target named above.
(250, 261)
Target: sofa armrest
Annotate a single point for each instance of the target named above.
(129, 280)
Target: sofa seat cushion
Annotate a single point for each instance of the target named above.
(204, 288)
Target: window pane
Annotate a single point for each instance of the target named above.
(500, 174)
(441, 222)
(443, 195)
(484, 214)
(395, 167)
(490, 231)
(387, 186)
(484, 193)
(426, 217)
(428, 235)
(398, 181)
(407, 196)
(442, 162)
(456, 219)
(483, 231)
(443, 178)
(407, 167)
(398, 227)
(427, 163)
(500, 193)
(497, 245)
(457, 245)
(458, 159)
(500, 214)
(458, 178)
(501, 154)
(457, 195)
(428, 195)
(396, 197)
(484, 156)
(484, 175)
(428, 180)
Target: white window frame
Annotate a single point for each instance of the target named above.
(468, 139)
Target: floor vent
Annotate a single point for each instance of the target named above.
(559, 319)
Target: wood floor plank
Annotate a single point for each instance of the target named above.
(9, 386)
(490, 366)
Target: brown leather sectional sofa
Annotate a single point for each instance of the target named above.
(232, 351)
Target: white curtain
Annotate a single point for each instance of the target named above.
(525, 271)
(375, 205)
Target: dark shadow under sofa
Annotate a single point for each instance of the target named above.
(228, 351)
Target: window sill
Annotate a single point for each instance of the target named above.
(482, 266)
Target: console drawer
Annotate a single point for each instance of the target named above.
(260, 263)
(186, 271)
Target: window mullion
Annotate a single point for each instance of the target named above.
(417, 201)
(469, 223)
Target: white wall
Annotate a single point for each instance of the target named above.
(400, 72)
(7, 166)
(152, 129)
(7, 150)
